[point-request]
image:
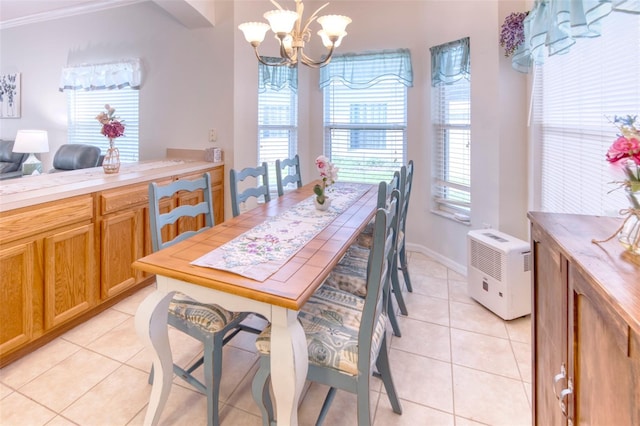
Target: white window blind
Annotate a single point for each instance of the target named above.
(576, 98)
(277, 127)
(365, 129)
(452, 147)
(82, 109)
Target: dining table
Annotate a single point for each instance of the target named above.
(241, 265)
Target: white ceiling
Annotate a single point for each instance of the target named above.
(192, 13)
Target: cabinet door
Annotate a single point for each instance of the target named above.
(606, 361)
(122, 243)
(70, 274)
(549, 319)
(217, 189)
(17, 282)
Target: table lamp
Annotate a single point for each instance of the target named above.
(31, 141)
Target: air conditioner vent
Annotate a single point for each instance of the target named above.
(486, 259)
(526, 257)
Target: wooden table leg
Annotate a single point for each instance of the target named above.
(151, 326)
(289, 363)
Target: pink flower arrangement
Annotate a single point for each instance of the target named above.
(112, 126)
(328, 173)
(625, 153)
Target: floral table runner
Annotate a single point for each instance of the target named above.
(261, 251)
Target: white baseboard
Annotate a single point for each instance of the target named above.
(438, 257)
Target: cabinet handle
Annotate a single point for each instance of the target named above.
(563, 394)
(562, 375)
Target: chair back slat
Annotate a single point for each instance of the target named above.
(158, 220)
(406, 181)
(287, 164)
(238, 197)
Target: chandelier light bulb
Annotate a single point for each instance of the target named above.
(334, 25)
(326, 41)
(254, 32)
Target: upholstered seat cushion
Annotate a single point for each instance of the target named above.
(365, 238)
(331, 321)
(209, 318)
(350, 274)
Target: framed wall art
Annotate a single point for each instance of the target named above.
(10, 95)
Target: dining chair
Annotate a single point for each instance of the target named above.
(211, 324)
(261, 188)
(406, 182)
(285, 165)
(345, 334)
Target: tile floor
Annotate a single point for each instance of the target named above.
(455, 364)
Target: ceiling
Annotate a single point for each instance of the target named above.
(192, 13)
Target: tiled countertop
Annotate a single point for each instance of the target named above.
(31, 190)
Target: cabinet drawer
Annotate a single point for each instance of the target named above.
(46, 217)
(122, 198)
(217, 176)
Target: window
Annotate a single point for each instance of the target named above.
(576, 97)
(84, 106)
(451, 116)
(89, 88)
(365, 113)
(277, 116)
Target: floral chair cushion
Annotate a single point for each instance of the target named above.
(350, 274)
(210, 318)
(331, 322)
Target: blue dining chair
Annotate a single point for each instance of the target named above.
(285, 166)
(211, 324)
(346, 334)
(238, 197)
(406, 182)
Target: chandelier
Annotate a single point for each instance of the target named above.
(292, 35)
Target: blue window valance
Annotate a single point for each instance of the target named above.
(363, 70)
(276, 78)
(450, 62)
(553, 26)
(114, 75)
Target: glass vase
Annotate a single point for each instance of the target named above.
(629, 235)
(111, 162)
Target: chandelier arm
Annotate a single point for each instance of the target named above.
(276, 64)
(313, 17)
(313, 64)
(275, 3)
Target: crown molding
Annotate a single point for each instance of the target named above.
(81, 9)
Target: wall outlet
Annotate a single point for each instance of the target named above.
(213, 135)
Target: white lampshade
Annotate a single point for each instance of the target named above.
(327, 42)
(31, 141)
(254, 32)
(334, 25)
(281, 21)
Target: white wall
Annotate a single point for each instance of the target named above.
(199, 79)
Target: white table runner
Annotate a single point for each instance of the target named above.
(261, 251)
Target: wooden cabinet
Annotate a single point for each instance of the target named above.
(64, 261)
(586, 324)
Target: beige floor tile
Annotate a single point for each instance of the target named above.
(16, 409)
(429, 309)
(120, 343)
(4, 390)
(131, 303)
(412, 415)
(527, 389)
(482, 352)
(343, 410)
(235, 417)
(67, 381)
(425, 266)
(455, 276)
(458, 292)
(519, 329)
(424, 339)
(184, 407)
(422, 380)
(491, 399)
(461, 421)
(477, 318)
(522, 352)
(31, 366)
(114, 401)
(60, 421)
(97, 326)
(429, 286)
(241, 397)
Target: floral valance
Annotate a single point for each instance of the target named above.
(115, 75)
(276, 78)
(450, 62)
(553, 26)
(363, 70)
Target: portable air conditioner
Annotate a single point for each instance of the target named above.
(499, 272)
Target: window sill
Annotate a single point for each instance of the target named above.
(452, 217)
